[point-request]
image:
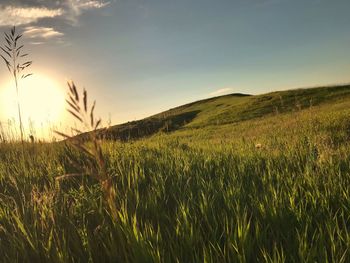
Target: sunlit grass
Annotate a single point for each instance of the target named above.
(195, 195)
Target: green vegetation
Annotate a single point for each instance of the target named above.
(240, 179)
(229, 109)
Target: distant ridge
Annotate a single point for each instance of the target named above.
(226, 109)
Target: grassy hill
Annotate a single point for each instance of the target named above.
(235, 178)
(229, 109)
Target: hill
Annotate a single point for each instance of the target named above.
(234, 178)
(229, 109)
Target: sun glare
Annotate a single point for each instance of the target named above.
(42, 103)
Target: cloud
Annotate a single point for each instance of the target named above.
(221, 91)
(36, 43)
(74, 8)
(89, 4)
(40, 17)
(25, 12)
(41, 33)
(17, 15)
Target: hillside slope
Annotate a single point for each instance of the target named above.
(228, 109)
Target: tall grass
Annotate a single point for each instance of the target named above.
(12, 55)
(95, 163)
(190, 196)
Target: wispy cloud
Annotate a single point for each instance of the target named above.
(38, 16)
(40, 35)
(17, 15)
(89, 4)
(25, 12)
(221, 92)
(74, 8)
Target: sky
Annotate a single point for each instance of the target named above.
(141, 57)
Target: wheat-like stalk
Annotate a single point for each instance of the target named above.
(13, 56)
(78, 107)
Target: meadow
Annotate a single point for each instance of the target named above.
(242, 179)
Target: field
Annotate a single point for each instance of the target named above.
(230, 179)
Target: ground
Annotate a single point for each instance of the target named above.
(230, 179)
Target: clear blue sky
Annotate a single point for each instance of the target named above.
(139, 57)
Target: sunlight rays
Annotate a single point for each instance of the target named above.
(42, 100)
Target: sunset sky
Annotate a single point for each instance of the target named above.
(140, 57)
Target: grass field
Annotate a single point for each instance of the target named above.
(230, 179)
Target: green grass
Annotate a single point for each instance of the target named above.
(230, 109)
(201, 193)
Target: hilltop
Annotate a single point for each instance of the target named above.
(229, 109)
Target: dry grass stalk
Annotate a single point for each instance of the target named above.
(13, 56)
(97, 169)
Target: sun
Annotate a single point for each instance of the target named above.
(42, 102)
